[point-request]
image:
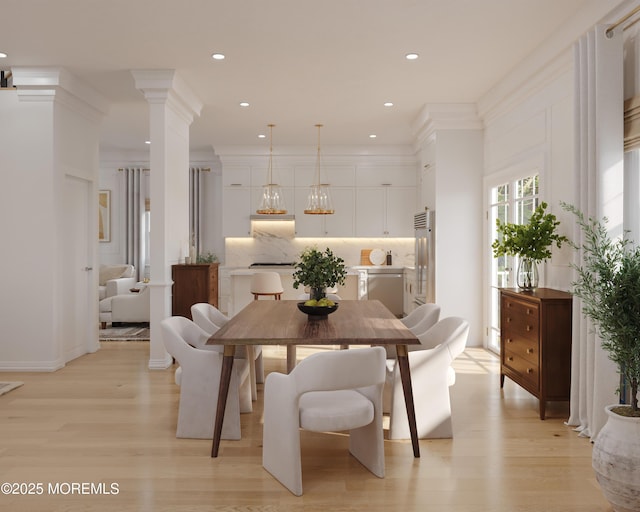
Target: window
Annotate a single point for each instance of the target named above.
(513, 201)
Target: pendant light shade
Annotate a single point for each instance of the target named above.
(272, 201)
(319, 199)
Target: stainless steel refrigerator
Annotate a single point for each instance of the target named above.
(424, 224)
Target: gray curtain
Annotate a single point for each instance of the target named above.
(134, 218)
(196, 176)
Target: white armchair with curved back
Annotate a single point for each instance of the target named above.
(210, 319)
(199, 381)
(431, 377)
(331, 391)
(422, 318)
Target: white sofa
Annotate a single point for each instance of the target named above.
(125, 308)
(115, 280)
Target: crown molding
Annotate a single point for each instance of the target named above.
(57, 84)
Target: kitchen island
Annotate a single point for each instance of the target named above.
(240, 284)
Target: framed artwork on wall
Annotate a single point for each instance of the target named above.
(104, 215)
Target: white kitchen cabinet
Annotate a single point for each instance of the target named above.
(339, 224)
(236, 202)
(401, 208)
(385, 211)
(382, 176)
(287, 192)
(409, 290)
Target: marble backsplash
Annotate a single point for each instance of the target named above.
(242, 252)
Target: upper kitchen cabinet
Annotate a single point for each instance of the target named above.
(242, 191)
(385, 201)
(342, 222)
(339, 224)
(283, 176)
(236, 201)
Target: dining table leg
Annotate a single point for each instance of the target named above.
(223, 391)
(405, 377)
(291, 357)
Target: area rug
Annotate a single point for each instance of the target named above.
(5, 387)
(128, 332)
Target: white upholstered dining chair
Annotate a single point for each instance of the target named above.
(199, 381)
(210, 319)
(431, 377)
(422, 318)
(329, 391)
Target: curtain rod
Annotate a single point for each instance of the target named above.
(622, 20)
(147, 170)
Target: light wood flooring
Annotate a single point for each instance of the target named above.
(105, 418)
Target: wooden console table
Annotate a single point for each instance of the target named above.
(193, 284)
(535, 342)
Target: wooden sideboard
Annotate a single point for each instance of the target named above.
(193, 284)
(535, 342)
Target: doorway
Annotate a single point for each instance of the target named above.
(79, 333)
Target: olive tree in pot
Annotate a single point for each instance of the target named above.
(318, 270)
(608, 282)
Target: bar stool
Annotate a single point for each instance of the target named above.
(266, 283)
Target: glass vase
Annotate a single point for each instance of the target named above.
(527, 275)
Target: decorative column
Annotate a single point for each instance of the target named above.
(172, 106)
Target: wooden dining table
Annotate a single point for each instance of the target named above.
(271, 322)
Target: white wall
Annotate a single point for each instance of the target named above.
(458, 206)
(536, 134)
(28, 257)
(47, 137)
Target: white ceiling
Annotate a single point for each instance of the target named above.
(298, 62)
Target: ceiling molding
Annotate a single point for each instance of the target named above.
(445, 116)
(56, 83)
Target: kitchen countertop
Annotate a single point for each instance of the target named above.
(398, 268)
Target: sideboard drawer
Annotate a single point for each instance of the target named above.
(521, 319)
(526, 348)
(529, 371)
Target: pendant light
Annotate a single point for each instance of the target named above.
(272, 202)
(319, 200)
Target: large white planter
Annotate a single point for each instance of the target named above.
(616, 461)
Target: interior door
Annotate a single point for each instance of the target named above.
(77, 298)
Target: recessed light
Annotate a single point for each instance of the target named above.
(3, 55)
(147, 142)
(218, 56)
(372, 136)
(388, 104)
(262, 136)
(411, 56)
(244, 104)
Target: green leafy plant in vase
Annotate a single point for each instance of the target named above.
(318, 270)
(530, 242)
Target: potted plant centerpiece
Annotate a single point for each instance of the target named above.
(608, 282)
(531, 242)
(318, 270)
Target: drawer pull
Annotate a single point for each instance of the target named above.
(529, 370)
(509, 358)
(528, 311)
(529, 351)
(508, 319)
(529, 328)
(509, 340)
